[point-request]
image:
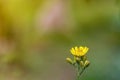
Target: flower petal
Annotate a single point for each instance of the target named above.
(76, 48)
(80, 48)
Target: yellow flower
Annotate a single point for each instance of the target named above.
(79, 51)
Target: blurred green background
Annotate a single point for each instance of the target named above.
(36, 36)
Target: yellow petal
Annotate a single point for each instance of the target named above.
(85, 50)
(80, 48)
(82, 53)
(76, 48)
(73, 52)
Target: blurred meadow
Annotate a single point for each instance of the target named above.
(36, 36)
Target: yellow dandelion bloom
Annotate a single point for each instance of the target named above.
(79, 51)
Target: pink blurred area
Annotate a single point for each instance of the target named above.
(52, 16)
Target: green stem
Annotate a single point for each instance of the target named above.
(79, 73)
(78, 76)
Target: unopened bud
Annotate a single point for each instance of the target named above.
(77, 60)
(87, 63)
(69, 60)
(81, 63)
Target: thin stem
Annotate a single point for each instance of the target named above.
(77, 78)
(79, 73)
(77, 69)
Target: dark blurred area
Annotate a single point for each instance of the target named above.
(36, 36)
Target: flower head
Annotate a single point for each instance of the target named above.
(79, 51)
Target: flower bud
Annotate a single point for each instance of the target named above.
(87, 63)
(69, 60)
(81, 63)
(77, 59)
